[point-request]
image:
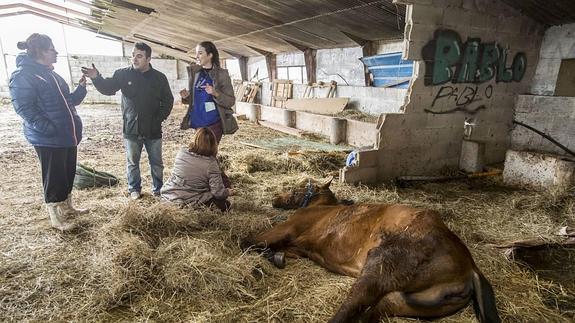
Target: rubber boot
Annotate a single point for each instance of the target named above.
(60, 218)
(71, 209)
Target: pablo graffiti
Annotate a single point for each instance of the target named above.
(450, 60)
(461, 97)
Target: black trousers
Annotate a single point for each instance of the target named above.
(223, 205)
(58, 171)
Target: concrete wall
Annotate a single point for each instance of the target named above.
(554, 116)
(371, 100)
(558, 44)
(290, 59)
(428, 136)
(174, 70)
(257, 65)
(341, 65)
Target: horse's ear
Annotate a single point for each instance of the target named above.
(326, 185)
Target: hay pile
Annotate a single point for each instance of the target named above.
(145, 260)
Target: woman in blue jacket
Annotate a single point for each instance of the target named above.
(51, 124)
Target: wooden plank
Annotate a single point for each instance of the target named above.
(326, 106)
(252, 145)
(396, 82)
(281, 91)
(284, 129)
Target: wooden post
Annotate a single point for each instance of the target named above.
(368, 50)
(309, 55)
(271, 64)
(243, 61)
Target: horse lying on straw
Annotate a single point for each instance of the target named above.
(407, 262)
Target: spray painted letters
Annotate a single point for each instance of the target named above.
(449, 60)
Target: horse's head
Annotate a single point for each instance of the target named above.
(310, 194)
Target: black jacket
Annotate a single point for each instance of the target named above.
(146, 100)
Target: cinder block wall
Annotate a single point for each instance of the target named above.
(554, 116)
(558, 44)
(173, 69)
(427, 137)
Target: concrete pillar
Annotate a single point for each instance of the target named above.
(289, 118)
(254, 112)
(472, 156)
(338, 130)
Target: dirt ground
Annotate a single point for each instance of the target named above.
(145, 261)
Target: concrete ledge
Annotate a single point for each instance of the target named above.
(357, 133)
(361, 134)
(354, 175)
(538, 171)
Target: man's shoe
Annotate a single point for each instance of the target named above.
(135, 195)
(156, 193)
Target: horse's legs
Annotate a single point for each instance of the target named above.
(275, 238)
(389, 267)
(400, 304)
(271, 241)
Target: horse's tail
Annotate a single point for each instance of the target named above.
(484, 299)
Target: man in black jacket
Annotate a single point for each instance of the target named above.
(146, 101)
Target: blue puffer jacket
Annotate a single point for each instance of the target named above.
(43, 99)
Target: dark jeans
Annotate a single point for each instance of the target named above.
(218, 130)
(58, 171)
(223, 205)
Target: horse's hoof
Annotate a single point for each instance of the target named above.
(279, 260)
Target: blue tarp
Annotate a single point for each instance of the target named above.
(389, 70)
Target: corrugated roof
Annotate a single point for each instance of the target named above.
(252, 27)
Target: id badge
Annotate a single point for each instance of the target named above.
(210, 106)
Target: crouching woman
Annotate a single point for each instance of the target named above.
(196, 177)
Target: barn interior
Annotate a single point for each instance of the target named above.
(462, 106)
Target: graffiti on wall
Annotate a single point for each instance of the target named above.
(463, 69)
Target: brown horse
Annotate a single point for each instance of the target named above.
(407, 262)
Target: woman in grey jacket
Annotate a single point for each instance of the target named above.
(196, 177)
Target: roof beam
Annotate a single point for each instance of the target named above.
(259, 51)
(358, 40)
(289, 23)
(299, 46)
